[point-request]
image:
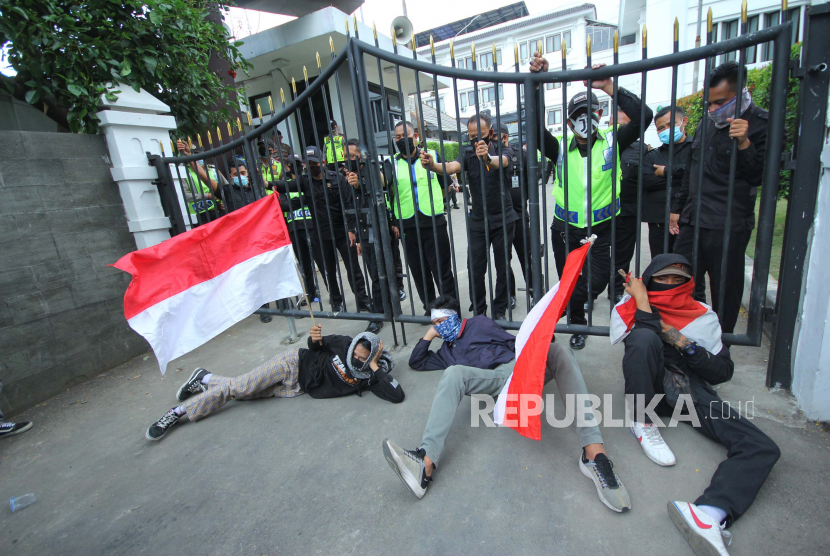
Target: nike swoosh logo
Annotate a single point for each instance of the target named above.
(697, 521)
(640, 439)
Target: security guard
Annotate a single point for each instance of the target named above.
(200, 187)
(338, 153)
(417, 199)
(604, 203)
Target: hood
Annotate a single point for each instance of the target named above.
(372, 339)
(660, 262)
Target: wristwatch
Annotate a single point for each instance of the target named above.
(690, 348)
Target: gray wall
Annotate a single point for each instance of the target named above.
(61, 223)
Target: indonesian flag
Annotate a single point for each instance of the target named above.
(532, 345)
(695, 320)
(196, 285)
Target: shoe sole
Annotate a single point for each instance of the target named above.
(19, 431)
(700, 546)
(151, 439)
(647, 454)
(182, 389)
(406, 478)
(587, 473)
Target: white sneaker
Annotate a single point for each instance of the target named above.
(705, 536)
(652, 443)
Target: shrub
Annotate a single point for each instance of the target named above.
(451, 149)
(759, 83)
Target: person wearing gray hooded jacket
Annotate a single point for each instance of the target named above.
(331, 367)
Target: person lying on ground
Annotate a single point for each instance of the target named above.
(465, 344)
(673, 347)
(332, 366)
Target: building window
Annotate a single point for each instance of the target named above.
(498, 56)
(602, 38)
(628, 39)
(523, 51)
(262, 102)
(770, 20)
(566, 36)
(728, 30)
(555, 117)
(488, 94)
(553, 43)
(471, 98)
(462, 101)
(465, 63)
(486, 60)
(431, 103)
(751, 27)
(549, 86)
(557, 85)
(603, 105)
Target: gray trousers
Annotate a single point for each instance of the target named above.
(459, 381)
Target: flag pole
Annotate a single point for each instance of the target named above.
(305, 295)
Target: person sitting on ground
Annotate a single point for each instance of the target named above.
(655, 351)
(331, 367)
(475, 356)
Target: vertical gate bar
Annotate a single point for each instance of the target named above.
(638, 232)
(483, 193)
(612, 279)
(192, 188)
(394, 177)
(707, 69)
(444, 164)
(508, 247)
(533, 190)
(733, 168)
(540, 155)
(523, 185)
(420, 113)
(802, 202)
(562, 169)
(166, 179)
(589, 212)
(672, 121)
(462, 182)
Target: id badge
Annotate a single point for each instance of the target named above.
(515, 181)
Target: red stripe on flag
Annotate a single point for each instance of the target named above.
(529, 371)
(173, 266)
(677, 306)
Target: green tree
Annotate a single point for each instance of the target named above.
(67, 53)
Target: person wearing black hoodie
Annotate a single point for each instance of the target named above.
(662, 362)
(331, 367)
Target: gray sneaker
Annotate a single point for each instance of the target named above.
(408, 465)
(609, 487)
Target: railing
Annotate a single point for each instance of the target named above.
(434, 249)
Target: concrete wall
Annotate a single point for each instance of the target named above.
(61, 223)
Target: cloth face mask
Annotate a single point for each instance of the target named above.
(449, 328)
(664, 135)
(580, 124)
(722, 114)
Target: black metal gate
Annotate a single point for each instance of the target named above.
(192, 198)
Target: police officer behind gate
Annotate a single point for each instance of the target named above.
(336, 153)
(603, 202)
(500, 213)
(330, 199)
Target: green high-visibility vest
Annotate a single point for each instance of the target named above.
(603, 203)
(199, 205)
(271, 173)
(425, 182)
(339, 149)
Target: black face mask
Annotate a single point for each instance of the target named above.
(357, 363)
(404, 144)
(654, 286)
(475, 140)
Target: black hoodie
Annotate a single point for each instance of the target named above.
(324, 373)
(702, 366)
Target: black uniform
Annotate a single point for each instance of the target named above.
(751, 454)
(496, 228)
(600, 253)
(521, 228)
(324, 373)
(330, 200)
(420, 240)
(750, 169)
(626, 237)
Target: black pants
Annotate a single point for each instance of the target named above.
(437, 262)
(353, 271)
(751, 453)
(521, 230)
(299, 241)
(600, 257)
(478, 261)
(656, 235)
(710, 249)
(396, 260)
(371, 260)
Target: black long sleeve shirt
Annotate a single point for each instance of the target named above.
(325, 374)
(713, 368)
(494, 188)
(716, 160)
(654, 186)
(329, 199)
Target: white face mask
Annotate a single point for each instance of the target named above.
(580, 125)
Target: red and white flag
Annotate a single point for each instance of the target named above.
(678, 308)
(532, 345)
(196, 285)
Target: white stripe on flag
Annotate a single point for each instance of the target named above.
(188, 319)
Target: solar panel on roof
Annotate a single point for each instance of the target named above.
(473, 23)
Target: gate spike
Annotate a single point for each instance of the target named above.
(375, 30)
(355, 24)
(617, 40)
(645, 33)
(172, 147)
(270, 103)
(250, 123)
(432, 45)
(347, 25)
(259, 111)
(473, 49)
(230, 131)
(199, 138)
(190, 142)
(784, 5)
(743, 12)
(319, 65)
(282, 95)
(516, 52)
(305, 74)
(452, 48)
(162, 148)
(218, 134)
(564, 51)
(414, 44)
(588, 45)
(210, 141)
(331, 45)
(709, 19)
(294, 85)
(539, 47)
(495, 62)
(677, 28)
(239, 124)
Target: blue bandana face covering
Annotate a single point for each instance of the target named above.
(449, 329)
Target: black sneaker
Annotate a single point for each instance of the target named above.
(192, 385)
(265, 319)
(337, 308)
(374, 326)
(499, 316)
(402, 294)
(409, 466)
(609, 487)
(578, 341)
(512, 302)
(158, 429)
(11, 429)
